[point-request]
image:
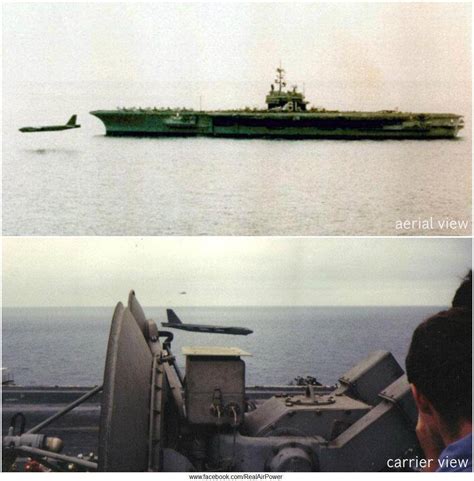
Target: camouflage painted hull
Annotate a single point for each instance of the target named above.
(264, 124)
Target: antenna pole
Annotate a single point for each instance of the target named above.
(280, 80)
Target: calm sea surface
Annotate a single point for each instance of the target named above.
(66, 346)
(83, 183)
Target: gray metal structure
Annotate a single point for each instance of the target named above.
(155, 419)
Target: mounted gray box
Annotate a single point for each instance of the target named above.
(368, 378)
(214, 386)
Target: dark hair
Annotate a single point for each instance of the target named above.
(463, 296)
(439, 361)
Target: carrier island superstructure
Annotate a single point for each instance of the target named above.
(287, 116)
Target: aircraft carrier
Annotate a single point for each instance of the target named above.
(287, 116)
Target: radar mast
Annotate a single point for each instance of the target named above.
(280, 80)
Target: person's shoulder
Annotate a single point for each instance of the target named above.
(457, 457)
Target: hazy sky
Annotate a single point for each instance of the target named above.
(245, 271)
(370, 42)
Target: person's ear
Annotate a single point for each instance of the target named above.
(422, 403)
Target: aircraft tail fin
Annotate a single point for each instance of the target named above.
(172, 317)
(72, 120)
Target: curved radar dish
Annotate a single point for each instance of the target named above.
(125, 409)
(137, 312)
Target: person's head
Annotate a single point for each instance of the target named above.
(439, 362)
(463, 296)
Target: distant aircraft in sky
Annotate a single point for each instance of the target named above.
(71, 124)
(175, 322)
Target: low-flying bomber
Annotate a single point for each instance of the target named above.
(71, 124)
(175, 322)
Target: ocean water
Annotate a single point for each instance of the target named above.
(83, 183)
(67, 346)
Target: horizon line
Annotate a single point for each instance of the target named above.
(227, 306)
